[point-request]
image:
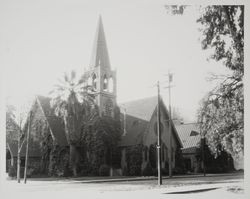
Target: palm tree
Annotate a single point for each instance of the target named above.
(74, 102)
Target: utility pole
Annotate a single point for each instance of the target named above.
(18, 154)
(203, 141)
(159, 136)
(170, 78)
(27, 148)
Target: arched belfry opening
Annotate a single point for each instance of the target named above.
(111, 84)
(105, 83)
(94, 81)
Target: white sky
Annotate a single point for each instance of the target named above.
(39, 40)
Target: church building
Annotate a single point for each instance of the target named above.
(139, 117)
(138, 120)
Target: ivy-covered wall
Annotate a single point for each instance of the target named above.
(134, 160)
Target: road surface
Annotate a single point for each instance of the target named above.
(217, 186)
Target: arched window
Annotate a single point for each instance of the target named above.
(111, 84)
(94, 81)
(146, 154)
(105, 83)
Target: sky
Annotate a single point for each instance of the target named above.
(40, 40)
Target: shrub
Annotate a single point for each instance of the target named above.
(12, 171)
(104, 170)
(134, 160)
(147, 171)
(179, 170)
(165, 171)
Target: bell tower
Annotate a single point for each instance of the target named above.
(100, 75)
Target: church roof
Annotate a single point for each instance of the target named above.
(189, 136)
(100, 56)
(135, 128)
(56, 124)
(142, 108)
(138, 115)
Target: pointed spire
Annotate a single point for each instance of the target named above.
(100, 56)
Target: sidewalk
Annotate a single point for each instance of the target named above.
(104, 179)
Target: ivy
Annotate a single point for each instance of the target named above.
(100, 140)
(134, 159)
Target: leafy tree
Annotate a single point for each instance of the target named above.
(101, 137)
(74, 103)
(222, 109)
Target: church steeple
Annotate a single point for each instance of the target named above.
(100, 76)
(100, 56)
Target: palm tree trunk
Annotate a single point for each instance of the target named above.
(73, 158)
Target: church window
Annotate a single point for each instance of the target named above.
(108, 108)
(111, 84)
(105, 83)
(146, 154)
(166, 150)
(94, 82)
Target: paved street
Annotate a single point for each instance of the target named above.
(228, 186)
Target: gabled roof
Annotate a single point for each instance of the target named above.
(135, 128)
(138, 114)
(56, 124)
(100, 56)
(185, 133)
(142, 108)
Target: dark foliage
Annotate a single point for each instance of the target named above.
(148, 170)
(134, 160)
(223, 163)
(179, 163)
(12, 171)
(104, 170)
(152, 155)
(100, 138)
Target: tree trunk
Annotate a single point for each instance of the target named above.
(73, 159)
(18, 166)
